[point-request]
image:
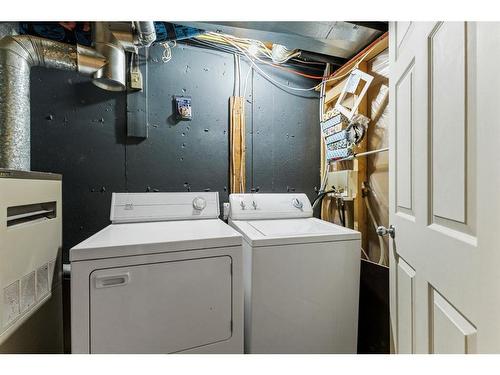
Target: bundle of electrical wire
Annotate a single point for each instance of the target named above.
(257, 51)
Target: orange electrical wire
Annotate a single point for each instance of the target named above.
(359, 54)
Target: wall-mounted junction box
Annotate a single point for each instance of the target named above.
(345, 182)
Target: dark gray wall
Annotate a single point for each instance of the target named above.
(79, 130)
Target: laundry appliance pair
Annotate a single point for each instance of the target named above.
(169, 276)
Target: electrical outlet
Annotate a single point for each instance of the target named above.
(183, 107)
(136, 80)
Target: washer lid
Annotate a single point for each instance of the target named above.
(141, 207)
(118, 240)
(292, 231)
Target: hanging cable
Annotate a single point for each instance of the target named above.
(289, 70)
(241, 44)
(320, 197)
(250, 68)
(341, 210)
(167, 52)
(239, 75)
(219, 46)
(266, 75)
(365, 190)
(236, 76)
(365, 254)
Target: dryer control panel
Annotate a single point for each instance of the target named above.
(269, 206)
(142, 207)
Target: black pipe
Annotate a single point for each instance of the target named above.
(319, 57)
(379, 26)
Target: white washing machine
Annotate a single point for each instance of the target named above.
(301, 276)
(164, 277)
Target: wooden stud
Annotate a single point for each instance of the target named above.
(373, 50)
(333, 91)
(360, 166)
(329, 206)
(237, 145)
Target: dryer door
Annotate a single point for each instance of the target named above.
(161, 307)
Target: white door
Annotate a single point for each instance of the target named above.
(445, 187)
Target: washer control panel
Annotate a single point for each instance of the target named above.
(269, 206)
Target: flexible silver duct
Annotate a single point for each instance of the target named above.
(17, 55)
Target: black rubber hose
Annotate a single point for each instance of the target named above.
(320, 198)
(341, 209)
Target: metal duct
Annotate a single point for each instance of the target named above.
(17, 55)
(113, 40)
(108, 42)
(146, 32)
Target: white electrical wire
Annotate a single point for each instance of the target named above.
(382, 258)
(250, 68)
(249, 41)
(264, 73)
(229, 39)
(237, 76)
(167, 52)
(365, 254)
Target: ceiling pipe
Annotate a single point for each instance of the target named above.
(375, 25)
(113, 40)
(145, 32)
(319, 57)
(105, 63)
(18, 54)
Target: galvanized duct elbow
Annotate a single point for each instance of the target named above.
(113, 40)
(17, 55)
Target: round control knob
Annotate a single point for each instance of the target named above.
(297, 204)
(199, 203)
